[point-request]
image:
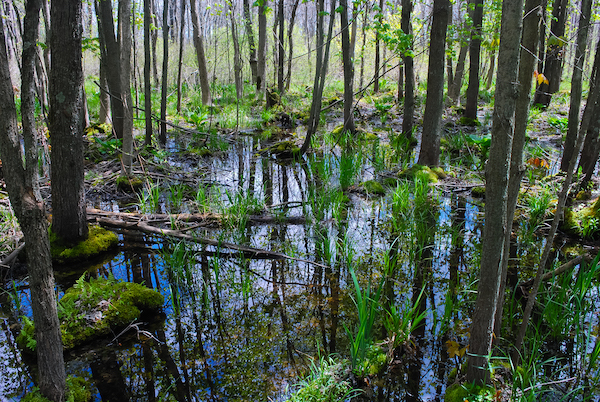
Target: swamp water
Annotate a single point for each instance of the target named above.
(236, 328)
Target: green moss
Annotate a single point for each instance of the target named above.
(439, 172)
(129, 184)
(390, 182)
(478, 191)
(337, 131)
(467, 392)
(94, 309)
(583, 195)
(373, 187)
(77, 391)
(371, 137)
(374, 363)
(583, 222)
(419, 172)
(456, 393)
(282, 149)
(99, 241)
(467, 121)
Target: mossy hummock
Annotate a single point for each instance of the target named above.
(99, 241)
(95, 309)
(424, 173)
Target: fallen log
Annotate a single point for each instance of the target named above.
(557, 271)
(143, 226)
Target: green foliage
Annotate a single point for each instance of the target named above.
(559, 123)
(373, 187)
(94, 308)
(399, 323)
(327, 382)
(99, 241)
(77, 391)
(467, 392)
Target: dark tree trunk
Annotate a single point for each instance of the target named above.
(347, 61)
(125, 35)
(554, 55)
(490, 74)
(527, 64)
(288, 78)
(432, 118)
(147, 78)
(251, 44)
(497, 174)
(200, 55)
(111, 54)
(165, 76)
(180, 58)
(237, 58)
(474, 51)
(379, 17)
(281, 50)
(409, 74)
(22, 186)
(154, 36)
(576, 81)
(66, 126)
(262, 46)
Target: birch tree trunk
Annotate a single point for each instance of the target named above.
(251, 44)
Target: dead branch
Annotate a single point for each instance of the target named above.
(566, 266)
(143, 226)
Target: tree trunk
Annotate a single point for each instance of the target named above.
(237, 58)
(576, 81)
(497, 174)
(154, 36)
(180, 58)
(348, 69)
(554, 54)
(288, 78)
(490, 74)
(320, 70)
(104, 114)
(409, 73)
(200, 55)
(22, 186)
(66, 128)
(362, 47)
(432, 117)
(527, 64)
(112, 56)
(379, 18)
(474, 51)
(125, 34)
(262, 46)
(454, 89)
(162, 139)
(147, 79)
(281, 51)
(251, 45)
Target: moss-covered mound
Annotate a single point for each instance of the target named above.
(372, 187)
(78, 390)
(424, 173)
(129, 184)
(94, 309)
(282, 149)
(583, 221)
(99, 241)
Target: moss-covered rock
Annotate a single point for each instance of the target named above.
(419, 172)
(129, 184)
(583, 221)
(99, 241)
(282, 149)
(94, 309)
(467, 121)
(478, 192)
(373, 187)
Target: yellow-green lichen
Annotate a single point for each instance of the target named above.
(99, 241)
(95, 308)
(129, 184)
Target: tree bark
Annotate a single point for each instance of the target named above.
(576, 83)
(125, 35)
(497, 173)
(429, 154)
(348, 63)
(527, 63)
(490, 74)
(281, 51)
(147, 73)
(66, 127)
(162, 139)
(379, 17)
(474, 52)
(409, 73)
(111, 53)
(251, 45)
(288, 78)
(454, 89)
(237, 58)
(262, 46)
(22, 183)
(200, 54)
(180, 58)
